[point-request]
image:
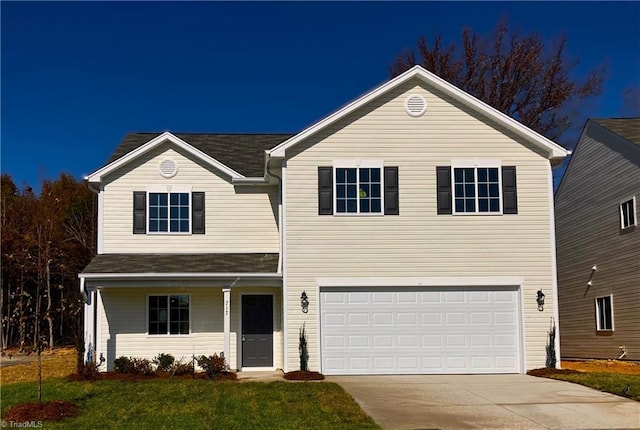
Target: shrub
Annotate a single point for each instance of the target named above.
(164, 361)
(139, 366)
(213, 364)
(122, 364)
(87, 372)
(179, 368)
(302, 348)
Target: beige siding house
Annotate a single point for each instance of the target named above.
(598, 243)
(417, 222)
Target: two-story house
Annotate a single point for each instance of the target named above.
(599, 244)
(411, 231)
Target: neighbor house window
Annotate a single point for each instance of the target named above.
(358, 190)
(628, 213)
(169, 212)
(604, 313)
(476, 189)
(169, 314)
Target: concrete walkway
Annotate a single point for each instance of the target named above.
(487, 402)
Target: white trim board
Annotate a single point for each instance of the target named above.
(421, 282)
(178, 275)
(552, 149)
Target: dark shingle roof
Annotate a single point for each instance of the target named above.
(244, 153)
(628, 128)
(183, 263)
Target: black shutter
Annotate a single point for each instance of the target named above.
(391, 203)
(197, 212)
(139, 212)
(325, 190)
(443, 188)
(509, 190)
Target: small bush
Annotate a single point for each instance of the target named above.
(164, 362)
(122, 364)
(213, 364)
(134, 365)
(88, 372)
(179, 368)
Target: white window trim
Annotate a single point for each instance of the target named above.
(168, 334)
(633, 209)
(168, 189)
(357, 164)
(475, 164)
(598, 328)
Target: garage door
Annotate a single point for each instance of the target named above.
(409, 331)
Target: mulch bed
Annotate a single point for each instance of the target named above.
(136, 377)
(545, 371)
(299, 375)
(47, 411)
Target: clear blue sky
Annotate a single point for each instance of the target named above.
(76, 77)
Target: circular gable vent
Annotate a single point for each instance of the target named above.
(415, 105)
(168, 168)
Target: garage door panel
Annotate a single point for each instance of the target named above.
(396, 332)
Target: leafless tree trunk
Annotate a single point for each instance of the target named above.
(48, 316)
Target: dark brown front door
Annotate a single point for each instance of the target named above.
(257, 330)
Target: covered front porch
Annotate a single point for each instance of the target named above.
(157, 309)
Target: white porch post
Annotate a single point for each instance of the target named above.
(89, 321)
(227, 324)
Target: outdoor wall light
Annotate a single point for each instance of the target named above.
(304, 302)
(540, 300)
(593, 270)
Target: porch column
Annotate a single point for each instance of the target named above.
(227, 324)
(89, 322)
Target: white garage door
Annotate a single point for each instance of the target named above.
(409, 331)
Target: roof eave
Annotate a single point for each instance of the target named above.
(178, 275)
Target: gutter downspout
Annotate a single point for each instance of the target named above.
(273, 175)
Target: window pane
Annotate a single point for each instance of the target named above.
(468, 175)
(494, 205)
(162, 199)
(459, 190)
(364, 175)
(174, 212)
(184, 327)
(470, 205)
(494, 191)
(458, 173)
(351, 191)
(352, 206)
(469, 190)
(376, 205)
(493, 175)
(153, 212)
(184, 226)
(184, 199)
(153, 225)
(175, 226)
(162, 226)
(340, 175)
(483, 190)
(153, 301)
(342, 206)
(375, 175)
(153, 198)
(184, 212)
(483, 205)
(482, 175)
(364, 205)
(174, 199)
(162, 315)
(364, 190)
(162, 301)
(163, 212)
(351, 176)
(341, 191)
(459, 205)
(375, 190)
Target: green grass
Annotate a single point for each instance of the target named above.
(197, 404)
(616, 383)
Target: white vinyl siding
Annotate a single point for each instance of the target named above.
(238, 219)
(418, 242)
(123, 323)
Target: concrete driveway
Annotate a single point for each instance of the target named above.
(487, 402)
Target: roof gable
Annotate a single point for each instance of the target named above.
(551, 149)
(237, 155)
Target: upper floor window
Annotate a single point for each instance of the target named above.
(628, 213)
(476, 189)
(604, 313)
(358, 190)
(169, 212)
(358, 187)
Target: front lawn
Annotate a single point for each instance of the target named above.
(196, 404)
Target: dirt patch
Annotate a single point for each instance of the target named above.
(47, 411)
(299, 375)
(606, 366)
(546, 371)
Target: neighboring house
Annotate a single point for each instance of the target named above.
(408, 232)
(598, 243)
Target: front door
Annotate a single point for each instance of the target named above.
(257, 330)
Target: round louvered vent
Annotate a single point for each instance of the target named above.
(415, 105)
(168, 168)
